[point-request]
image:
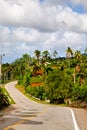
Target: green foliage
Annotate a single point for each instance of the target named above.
(26, 78)
(57, 86)
(37, 92)
(79, 92)
(36, 79)
(63, 78)
(35, 69)
(4, 101)
(20, 80)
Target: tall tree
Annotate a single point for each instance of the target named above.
(55, 53)
(77, 54)
(85, 50)
(45, 54)
(69, 53)
(37, 54)
(26, 59)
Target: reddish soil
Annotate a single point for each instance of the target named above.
(39, 72)
(36, 84)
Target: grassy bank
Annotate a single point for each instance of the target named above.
(5, 99)
(22, 90)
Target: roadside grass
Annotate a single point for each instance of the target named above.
(22, 90)
(11, 101)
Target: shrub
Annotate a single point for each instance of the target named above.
(37, 92)
(79, 93)
(4, 102)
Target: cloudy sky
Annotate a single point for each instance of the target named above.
(27, 25)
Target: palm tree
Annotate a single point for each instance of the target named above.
(55, 53)
(37, 54)
(45, 54)
(85, 50)
(77, 54)
(26, 59)
(69, 53)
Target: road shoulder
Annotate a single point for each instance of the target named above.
(81, 117)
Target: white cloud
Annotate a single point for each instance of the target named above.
(83, 2)
(62, 40)
(30, 13)
(4, 34)
(25, 40)
(27, 25)
(56, 2)
(69, 19)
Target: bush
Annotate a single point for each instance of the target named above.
(36, 79)
(37, 92)
(79, 93)
(4, 102)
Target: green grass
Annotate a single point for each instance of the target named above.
(22, 90)
(11, 101)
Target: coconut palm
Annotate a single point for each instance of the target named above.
(77, 54)
(69, 53)
(45, 54)
(55, 53)
(77, 68)
(37, 54)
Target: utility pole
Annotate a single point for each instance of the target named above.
(74, 75)
(1, 67)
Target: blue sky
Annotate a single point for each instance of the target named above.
(27, 25)
(79, 8)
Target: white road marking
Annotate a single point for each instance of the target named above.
(74, 120)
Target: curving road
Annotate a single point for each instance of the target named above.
(29, 115)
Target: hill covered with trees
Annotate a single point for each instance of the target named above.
(49, 77)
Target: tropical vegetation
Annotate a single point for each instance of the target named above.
(49, 77)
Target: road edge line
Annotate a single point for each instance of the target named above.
(74, 120)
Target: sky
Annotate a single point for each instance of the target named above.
(29, 25)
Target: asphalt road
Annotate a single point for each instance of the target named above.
(29, 115)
